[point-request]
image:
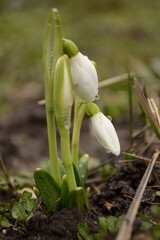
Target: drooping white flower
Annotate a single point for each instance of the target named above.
(84, 77)
(83, 72)
(105, 133)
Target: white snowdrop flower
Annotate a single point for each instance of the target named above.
(83, 72)
(84, 77)
(105, 133)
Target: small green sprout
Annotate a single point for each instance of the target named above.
(70, 80)
(109, 225)
(17, 213)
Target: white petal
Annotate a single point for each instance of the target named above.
(84, 77)
(105, 133)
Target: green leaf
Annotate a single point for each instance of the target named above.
(78, 199)
(84, 232)
(83, 169)
(114, 223)
(48, 188)
(78, 182)
(158, 193)
(104, 227)
(5, 223)
(119, 222)
(103, 224)
(146, 221)
(60, 165)
(18, 212)
(156, 211)
(64, 191)
(28, 202)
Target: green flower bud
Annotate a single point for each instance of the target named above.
(70, 48)
(63, 93)
(92, 109)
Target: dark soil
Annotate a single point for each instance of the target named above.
(24, 145)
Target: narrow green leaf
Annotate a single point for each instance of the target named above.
(48, 188)
(64, 191)
(78, 181)
(83, 169)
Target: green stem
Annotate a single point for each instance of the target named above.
(53, 145)
(79, 111)
(66, 157)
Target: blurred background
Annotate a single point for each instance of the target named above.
(119, 35)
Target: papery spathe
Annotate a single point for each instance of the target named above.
(84, 77)
(105, 133)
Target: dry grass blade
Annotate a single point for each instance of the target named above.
(147, 160)
(127, 225)
(146, 108)
(115, 79)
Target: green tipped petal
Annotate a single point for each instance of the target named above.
(92, 109)
(70, 48)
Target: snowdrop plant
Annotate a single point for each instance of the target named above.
(70, 79)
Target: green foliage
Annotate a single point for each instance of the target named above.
(158, 193)
(78, 199)
(49, 189)
(146, 221)
(20, 211)
(83, 169)
(84, 232)
(4, 222)
(108, 170)
(109, 225)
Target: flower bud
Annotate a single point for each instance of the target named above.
(105, 133)
(83, 72)
(84, 77)
(63, 92)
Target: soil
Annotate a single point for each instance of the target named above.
(24, 146)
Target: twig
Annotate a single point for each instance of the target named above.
(127, 225)
(116, 79)
(139, 157)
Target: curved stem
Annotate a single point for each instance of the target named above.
(79, 111)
